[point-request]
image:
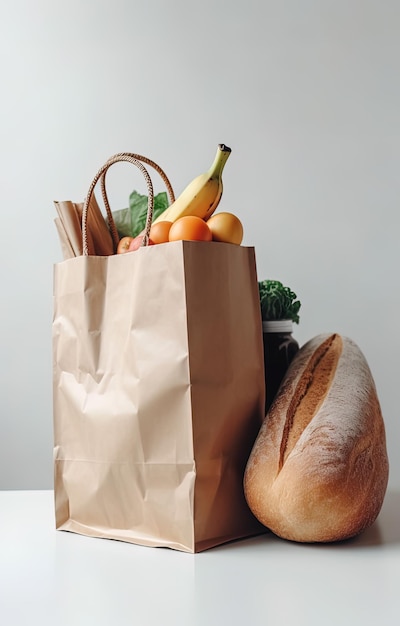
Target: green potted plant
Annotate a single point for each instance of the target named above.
(279, 311)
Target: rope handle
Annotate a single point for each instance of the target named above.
(134, 159)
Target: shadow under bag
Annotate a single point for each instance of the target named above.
(158, 392)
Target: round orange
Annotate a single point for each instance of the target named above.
(190, 228)
(159, 231)
(226, 227)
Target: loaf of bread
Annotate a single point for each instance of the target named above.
(318, 470)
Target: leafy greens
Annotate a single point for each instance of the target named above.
(278, 302)
(131, 222)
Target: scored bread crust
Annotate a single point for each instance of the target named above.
(318, 470)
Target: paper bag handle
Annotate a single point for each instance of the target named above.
(135, 159)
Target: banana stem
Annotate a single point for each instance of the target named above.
(221, 158)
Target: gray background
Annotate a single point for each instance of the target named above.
(305, 92)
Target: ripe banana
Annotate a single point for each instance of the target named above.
(201, 197)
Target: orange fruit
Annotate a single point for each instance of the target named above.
(190, 228)
(159, 231)
(226, 227)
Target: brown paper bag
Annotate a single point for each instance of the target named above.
(101, 241)
(158, 393)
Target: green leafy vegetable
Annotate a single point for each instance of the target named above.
(278, 302)
(131, 221)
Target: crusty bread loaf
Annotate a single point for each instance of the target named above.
(318, 470)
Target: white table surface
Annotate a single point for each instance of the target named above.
(60, 578)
